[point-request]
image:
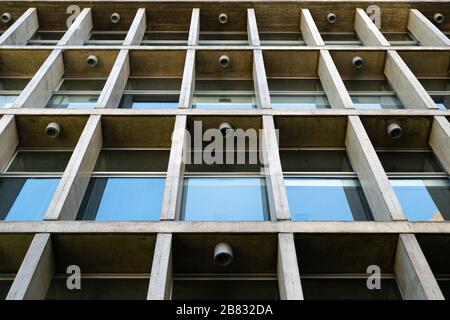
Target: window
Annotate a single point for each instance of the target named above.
(224, 94)
(76, 94)
(401, 39)
(106, 38)
(420, 183)
(165, 38)
(5, 285)
(341, 39)
(332, 287)
(439, 91)
(281, 39)
(151, 93)
(126, 185)
(28, 184)
(321, 186)
(45, 38)
(223, 38)
(10, 88)
(444, 285)
(297, 93)
(373, 94)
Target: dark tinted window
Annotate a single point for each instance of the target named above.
(315, 161)
(399, 161)
(133, 160)
(40, 161)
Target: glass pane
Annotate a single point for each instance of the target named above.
(280, 36)
(82, 84)
(339, 37)
(47, 35)
(315, 161)
(424, 199)
(99, 289)
(225, 290)
(444, 285)
(294, 85)
(435, 84)
(224, 199)
(368, 85)
(224, 102)
(300, 102)
(166, 36)
(401, 161)
(5, 285)
(401, 39)
(40, 161)
(312, 199)
(72, 101)
(25, 198)
(376, 102)
(108, 35)
(109, 199)
(348, 289)
(224, 85)
(14, 84)
(442, 102)
(132, 161)
(6, 101)
(135, 101)
(225, 161)
(223, 36)
(152, 84)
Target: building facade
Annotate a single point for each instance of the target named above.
(117, 180)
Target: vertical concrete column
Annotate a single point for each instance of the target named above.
(9, 140)
(287, 268)
(276, 190)
(414, 275)
(36, 271)
(376, 186)
(79, 31)
(440, 140)
(367, 31)
(174, 178)
(115, 84)
(73, 184)
(194, 29)
(260, 81)
(408, 88)
(252, 28)
(188, 82)
(41, 86)
(21, 30)
(425, 31)
(309, 30)
(137, 29)
(161, 275)
(332, 82)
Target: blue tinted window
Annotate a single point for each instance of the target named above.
(224, 102)
(376, 102)
(123, 199)
(424, 199)
(26, 198)
(224, 199)
(326, 199)
(7, 100)
(72, 101)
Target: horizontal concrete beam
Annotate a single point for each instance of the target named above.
(21, 30)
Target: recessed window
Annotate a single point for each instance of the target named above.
(10, 89)
(165, 38)
(341, 39)
(42, 38)
(224, 199)
(222, 38)
(439, 91)
(132, 161)
(281, 39)
(401, 39)
(444, 285)
(106, 38)
(305, 160)
(373, 94)
(76, 94)
(409, 161)
(5, 285)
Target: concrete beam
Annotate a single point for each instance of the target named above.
(252, 28)
(9, 140)
(41, 86)
(194, 29)
(276, 190)
(174, 178)
(79, 30)
(309, 30)
(70, 191)
(137, 29)
(161, 275)
(414, 275)
(21, 30)
(367, 30)
(332, 82)
(260, 81)
(425, 31)
(287, 268)
(408, 88)
(188, 82)
(440, 140)
(376, 186)
(112, 92)
(36, 271)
